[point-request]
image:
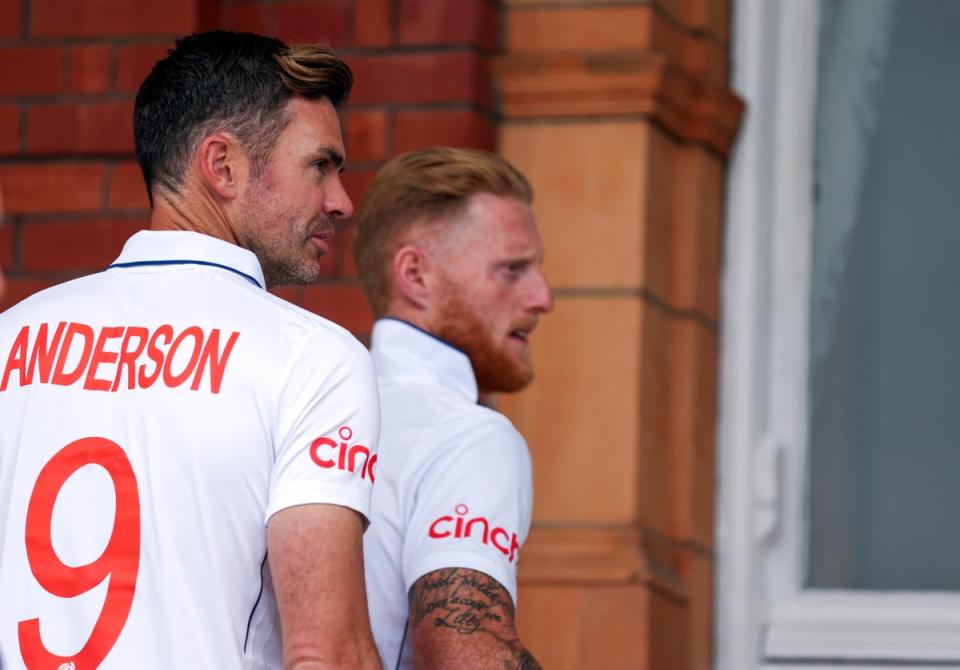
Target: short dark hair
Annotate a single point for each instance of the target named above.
(429, 187)
(226, 81)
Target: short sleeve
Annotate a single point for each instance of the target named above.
(472, 507)
(328, 426)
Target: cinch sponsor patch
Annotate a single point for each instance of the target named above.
(329, 453)
(477, 527)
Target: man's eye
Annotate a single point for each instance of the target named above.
(513, 271)
(322, 166)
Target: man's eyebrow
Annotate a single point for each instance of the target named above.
(333, 156)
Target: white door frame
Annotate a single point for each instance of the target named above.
(764, 616)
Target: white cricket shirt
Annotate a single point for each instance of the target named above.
(152, 418)
(453, 484)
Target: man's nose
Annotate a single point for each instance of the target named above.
(541, 297)
(338, 204)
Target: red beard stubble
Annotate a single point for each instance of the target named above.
(495, 369)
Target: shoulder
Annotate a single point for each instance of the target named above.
(68, 290)
(296, 316)
(488, 431)
(51, 303)
(307, 334)
(479, 444)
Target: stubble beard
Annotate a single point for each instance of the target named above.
(282, 266)
(495, 369)
(287, 255)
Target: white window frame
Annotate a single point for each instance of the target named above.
(765, 618)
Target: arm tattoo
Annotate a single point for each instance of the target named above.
(464, 600)
(469, 603)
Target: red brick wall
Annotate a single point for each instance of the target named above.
(69, 72)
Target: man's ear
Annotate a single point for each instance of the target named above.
(223, 165)
(411, 279)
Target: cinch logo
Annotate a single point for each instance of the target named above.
(346, 456)
(447, 526)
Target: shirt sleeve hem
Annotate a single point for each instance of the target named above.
(322, 494)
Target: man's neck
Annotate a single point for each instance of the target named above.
(189, 210)
(410, 314)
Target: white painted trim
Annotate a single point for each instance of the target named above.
(767, 243)
(858, 666)
(866, 626)
(765, 619)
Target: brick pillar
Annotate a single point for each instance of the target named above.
(622, 117)
(69, 72)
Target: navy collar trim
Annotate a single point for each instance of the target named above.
(427, 333)
(190, 262)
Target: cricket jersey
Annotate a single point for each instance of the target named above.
(153, 417)
(453, 487)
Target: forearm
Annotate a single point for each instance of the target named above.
(316, 565)
(362, 655)
(478, 657)
(464, 619)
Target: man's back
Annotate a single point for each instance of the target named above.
(138, 471)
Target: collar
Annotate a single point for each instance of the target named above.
(401, 349)
(185, 247)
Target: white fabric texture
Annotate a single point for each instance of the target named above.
(227, 403)
(453, 485)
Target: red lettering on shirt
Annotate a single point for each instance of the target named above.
(43, 353)
(155, 354)
(128, 357)
(461, 526)
(102, 357)
(215, 360)
(180, 344)
(323, 449)
(17, 359)
(60, 376)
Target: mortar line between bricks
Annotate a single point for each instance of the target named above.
(113, 67)
(108, 173)
(85, 217)
(76, 99)
(350, 23)
(23, 116)
(651, 118)
(26, 18)
(68, 42)
(63, 160)
(17, 243)
(619, 4)
(67, 64)
(394, 21)
(642, 293)
(413, 50)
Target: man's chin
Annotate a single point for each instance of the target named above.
(300, 274)
(506, 379)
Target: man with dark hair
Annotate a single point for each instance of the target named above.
(450, 259)
(186, 460)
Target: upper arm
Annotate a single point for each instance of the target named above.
(472, 508)
(316, 565)
(327, 430)
(327, 427)
(462, 618)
